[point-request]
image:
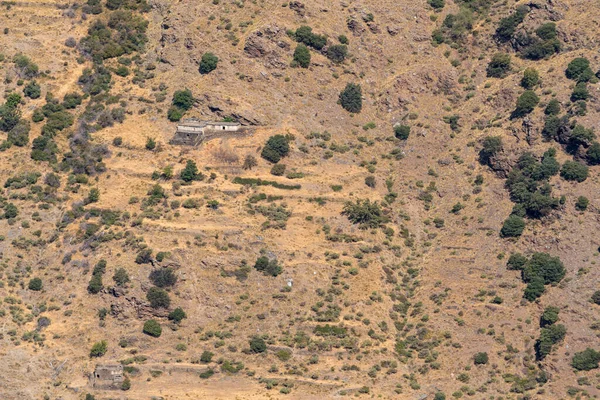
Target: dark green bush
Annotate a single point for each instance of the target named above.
(491, 146)
(72, 100)
(163, 277)
(530, 78)
(183, 99)
(582, 203)
(305, 35)
(35, 284)
(158, 298)
(276, 148)
(549, 316)
(174, 114)
(596, 297)
(553, 107)
(437, 4)
(579, 70)
(32, 90)
(499, 66)
(574, 171)
(549, 336)
(177, 315)
(258, 345)
(580, 92)
(525, 104)
(206, 356)
(337, 52)
(121, 277)
(546, 31)
(544, 266)
(535, 288)
(480, 358)
(365, 213)
(513, 226)
(508, 25)
(99, 349)
(278, 169)
(351, 98)
(516, 261)
(302, 56)
(402, 132)
(19, 134)
(586, 360)
(144, 256)
(208, 63)
(268, 267)
(95, 285)
(593, 154)
(152, 328)
(190, 172)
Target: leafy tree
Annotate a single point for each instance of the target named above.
(439, 396)
(499, 66)
(163, 277)
(593, 154)
(530, 78)
(144, 256)
(546, 31)
(513, 226)
(10, 113)
(351, 98)
(574, 171)
(580, 92)
(543, 265)
(525, 103)
(304, 34)
(365, 213)
(481, 358)
(174, 114)
(276, 147)
(596, 297)
(177, 315)
(582, 203)
(206, 356)
(491, 146)
(183, 99)
(402, 132)
(268, 267)
(121, 277)
(208, 63)
(549, 316)
(95, 285)
(32, 90)
(516, 261)
(258, 345)
(302, 56)
(152, 328)
(35, 284)
(586, 360)
(549, 336)
(278, 169)
(553, 107)
(437, 4)
(535, 288)
(190, 172)
(338, 52)
(579, 70)
(508, 25)
(158, 298)
(99, 349)
(19, 134)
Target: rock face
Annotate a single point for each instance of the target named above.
(267, 45)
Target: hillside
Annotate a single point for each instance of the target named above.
(408, 211)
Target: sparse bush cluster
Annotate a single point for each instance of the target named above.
(537, 271)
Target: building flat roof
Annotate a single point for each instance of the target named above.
(202, 124)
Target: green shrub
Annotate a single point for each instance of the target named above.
(174, 114)
(580, 92)
(19, 134)
(481, 358)
(95, 285)
(32, 90)
(206, 356)
(278, 169)
(530, 78)
(549, 316)
(513, 226)
(302, 56)
(304, 34)
(525, 104)
(72, 100)
(338, 52)
(258, 345)
(276, 147)
(152, 328)
(579, 70)
(499, 66)
(546, 31)
(190, 172)
(437, 4)
(177, 315)
(574, 171)
(183, 99)
(544, 266)
(144, 256)
(402, 132)
(508, 25)
(596, 297)
(535, 288)
(163, 277)
(121, 277)
(586, 360)
(343, 39)
(99, 349)
(516, 261)
(351, 98)
(553, 107)
(593, 154)
(365, 213)
(158, 298)
(207, 374)
(491, 146)
(268, 267)
(208, 63)
(582, 203)
(35, 284)
(549, 336)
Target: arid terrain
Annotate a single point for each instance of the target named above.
(409, 210)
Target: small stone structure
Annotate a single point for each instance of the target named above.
(192, 132)
(107, 376)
